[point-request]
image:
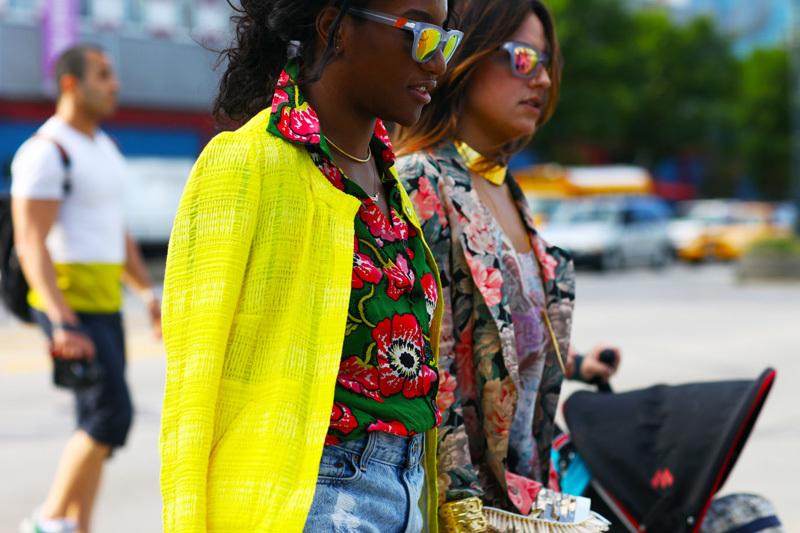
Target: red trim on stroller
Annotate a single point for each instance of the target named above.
(766, 385)
(616, 506)
(560, 441)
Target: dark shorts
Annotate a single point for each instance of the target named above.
(104, 410)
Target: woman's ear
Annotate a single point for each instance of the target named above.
(324, 25)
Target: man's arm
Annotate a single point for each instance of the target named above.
(137, 278)
(32, 222)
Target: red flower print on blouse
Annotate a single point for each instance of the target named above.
(364, 270)
(342, 418)
(283, 80)
(376, 221)
(426, 202)
(431, 293)
(401, 278)
(280, 97)
(332, 172)
(488, 281)
(401, 360)
(395, 428)
(359, 377)
(299, 124)
(437, 413)
(400, 225)
(383, 136)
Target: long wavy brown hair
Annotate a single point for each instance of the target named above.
(486, 24)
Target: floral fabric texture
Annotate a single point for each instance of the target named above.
(387, 379)
(499, 374)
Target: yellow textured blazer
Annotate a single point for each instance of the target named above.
(256, 296)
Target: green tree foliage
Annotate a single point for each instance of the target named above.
(764, 118)
(639, 87)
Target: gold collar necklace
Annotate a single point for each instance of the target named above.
(477, 163)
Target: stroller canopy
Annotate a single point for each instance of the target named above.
(661, 454)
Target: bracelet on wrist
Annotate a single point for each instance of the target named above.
(576, 374)
(65, 326)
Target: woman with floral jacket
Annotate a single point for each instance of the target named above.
(508, 295)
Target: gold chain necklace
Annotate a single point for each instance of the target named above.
(348, 154)
(374, 197)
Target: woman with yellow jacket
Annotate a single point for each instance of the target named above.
(301, 309)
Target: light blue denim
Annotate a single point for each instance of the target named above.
(369, 485)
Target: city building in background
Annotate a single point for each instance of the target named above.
(163, 51)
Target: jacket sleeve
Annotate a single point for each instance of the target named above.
(208, 252)
(457, 477)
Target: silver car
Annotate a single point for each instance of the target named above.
(612, 232)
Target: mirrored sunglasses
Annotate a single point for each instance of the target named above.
(526, 61)
(428, 38)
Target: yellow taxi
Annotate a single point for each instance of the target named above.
(721, 229)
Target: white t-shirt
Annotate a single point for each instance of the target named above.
(90, 228)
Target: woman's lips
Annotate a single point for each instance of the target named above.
(421, 90)
(421, 93)
(534, 104)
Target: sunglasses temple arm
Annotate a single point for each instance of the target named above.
(383, 19)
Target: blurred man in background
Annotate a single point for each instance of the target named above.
(67, 205)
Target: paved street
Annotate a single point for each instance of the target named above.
(685, 324)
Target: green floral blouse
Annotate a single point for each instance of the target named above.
(387, 380)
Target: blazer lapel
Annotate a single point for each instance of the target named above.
(480, 238)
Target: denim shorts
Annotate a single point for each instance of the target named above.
(369, 485)
(104, 410)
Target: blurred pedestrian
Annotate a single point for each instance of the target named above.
(508, 295)
(301, 309)
(67, 207)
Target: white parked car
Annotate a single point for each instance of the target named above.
(152, 195)
(611, 232)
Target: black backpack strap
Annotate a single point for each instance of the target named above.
(66, 161)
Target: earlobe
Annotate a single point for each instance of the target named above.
(337, 42)
(68, 83)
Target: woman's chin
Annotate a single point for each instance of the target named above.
(525, 129)
(405, 118)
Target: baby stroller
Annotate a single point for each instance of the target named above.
(653, 459)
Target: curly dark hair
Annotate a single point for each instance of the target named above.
(266, 32)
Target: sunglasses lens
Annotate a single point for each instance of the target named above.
(450, 47)
(525, 60)
(428, 44)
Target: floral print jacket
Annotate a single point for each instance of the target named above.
(478, 364)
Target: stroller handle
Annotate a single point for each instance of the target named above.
(608, 357)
